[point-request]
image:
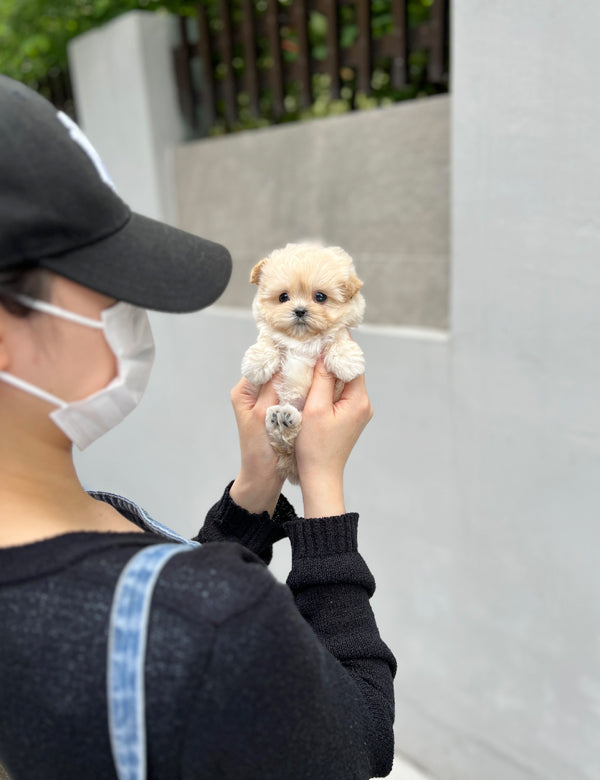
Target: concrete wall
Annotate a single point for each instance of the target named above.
(525, 685)
(376, 183)
(126, 99)
(477, 481)
(347, 180)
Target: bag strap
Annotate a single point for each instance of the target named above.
(128, 628)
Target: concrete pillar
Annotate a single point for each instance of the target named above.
(526, 392)
(126, 100)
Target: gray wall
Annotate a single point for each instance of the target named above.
(477, 481)
(525, 680)
(376, 183)
(125, 93)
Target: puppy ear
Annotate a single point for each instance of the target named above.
(353, 285)
(255, 272)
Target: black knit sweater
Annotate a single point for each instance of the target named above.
(245, 678)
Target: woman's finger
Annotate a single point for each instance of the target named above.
(244, 395)
(323, 387)
(267, 395)
(355, 387)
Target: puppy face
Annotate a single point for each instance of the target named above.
(305, 290)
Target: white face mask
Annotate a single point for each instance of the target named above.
(127, 331)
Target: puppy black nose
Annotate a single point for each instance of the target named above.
(300, 313)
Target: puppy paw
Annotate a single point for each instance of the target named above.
(284, 417)
(345, 361)
(289, 417)
(260, 363)
(283, 423)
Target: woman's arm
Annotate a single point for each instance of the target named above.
(329, 432)
(332, 586)
(297, 682)
(252, 509)
(258, 485)
(329, 579)
(317, 693)
(226, 521)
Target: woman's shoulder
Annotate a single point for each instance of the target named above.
(211, 580)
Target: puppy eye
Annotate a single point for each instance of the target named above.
(320, 297)
(284, 297)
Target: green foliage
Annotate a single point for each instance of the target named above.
(324, 103)
(34, 33)
(34, 36)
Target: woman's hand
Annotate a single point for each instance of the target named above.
(329, 432)
(258, 485)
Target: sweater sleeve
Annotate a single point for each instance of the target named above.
(332, 586)
(226, 521)
(299, 683)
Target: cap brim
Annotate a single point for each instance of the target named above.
(149, 264)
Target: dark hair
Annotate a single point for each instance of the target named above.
(34, 282)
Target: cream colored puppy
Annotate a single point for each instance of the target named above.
(308, 296)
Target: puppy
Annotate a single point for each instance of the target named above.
(308, 296)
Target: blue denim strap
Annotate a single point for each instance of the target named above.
(128, 628)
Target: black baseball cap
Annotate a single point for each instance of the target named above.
(59, 211)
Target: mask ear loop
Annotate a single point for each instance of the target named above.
(56, 311)
(49, 308)
(32, 389)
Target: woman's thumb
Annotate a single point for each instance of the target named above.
(323, 385)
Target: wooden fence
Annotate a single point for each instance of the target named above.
(57, 88)
(241, 62)
(244, 60)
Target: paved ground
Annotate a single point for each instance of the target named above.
(403, 770)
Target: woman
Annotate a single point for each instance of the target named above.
(244, 677)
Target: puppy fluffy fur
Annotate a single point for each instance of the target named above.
(308, 296)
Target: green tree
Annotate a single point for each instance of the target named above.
(34, 33)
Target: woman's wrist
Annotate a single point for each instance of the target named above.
(323, 496)
(256, 495)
